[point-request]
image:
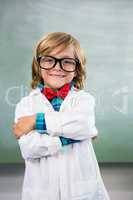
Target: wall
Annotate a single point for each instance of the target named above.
(105, 31)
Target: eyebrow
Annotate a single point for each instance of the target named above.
(64, 56)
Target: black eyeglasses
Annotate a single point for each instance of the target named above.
(49, 62)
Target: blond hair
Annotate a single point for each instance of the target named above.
(47, 44)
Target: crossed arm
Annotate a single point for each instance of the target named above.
(24, 125)
(78, 124)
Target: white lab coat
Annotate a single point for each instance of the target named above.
(53, 172)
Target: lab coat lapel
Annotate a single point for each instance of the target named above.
(39, 102)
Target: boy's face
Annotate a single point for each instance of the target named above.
(57, 77)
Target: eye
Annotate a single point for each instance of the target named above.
(69, 62)
(48, 59)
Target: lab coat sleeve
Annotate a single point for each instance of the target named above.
(34, 145)
(76, 123)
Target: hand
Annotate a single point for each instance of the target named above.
(24, 125)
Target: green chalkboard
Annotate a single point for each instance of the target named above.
(106, 33)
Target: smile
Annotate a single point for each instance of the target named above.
(57, 75)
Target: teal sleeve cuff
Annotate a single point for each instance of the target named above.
(67, 141)
(40, 123)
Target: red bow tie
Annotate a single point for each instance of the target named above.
(62, 93)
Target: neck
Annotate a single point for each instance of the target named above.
(49, 86)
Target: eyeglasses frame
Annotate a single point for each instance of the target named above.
(58, 60)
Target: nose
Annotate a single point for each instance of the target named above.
(57, 66)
